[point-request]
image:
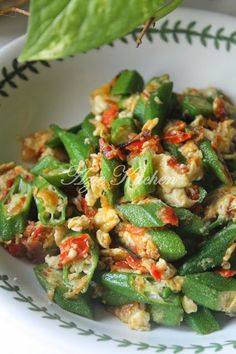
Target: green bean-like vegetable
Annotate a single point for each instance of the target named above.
(128, 82)
(140, 181)
(212, 291)
(170, 245)
(211, 253)
(54, 171)
(79, 305)
(169, 312)
(196, 105)
(127, 284)
(214, 164)
(134, 207)
(152, 213)
(14, 209)
(51, 202)
(202, 321)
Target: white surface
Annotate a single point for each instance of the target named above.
(14, 337)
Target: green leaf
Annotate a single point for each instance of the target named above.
(66, 27)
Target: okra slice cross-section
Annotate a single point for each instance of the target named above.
(140, 180)
(14, 209)
(50, 201)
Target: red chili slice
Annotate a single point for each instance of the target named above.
(139, 231)
(178, 167)
(9, 182)
(220, 110)
(39, 232)
(155, 273)
(168, 216)
(110, 151)
(226, 273)
(135, 147)
(79, 244)
(177, 137)
(110, 114)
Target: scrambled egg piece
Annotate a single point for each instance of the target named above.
(103, 238)
(142, 245)
(194, 160)
(177, 198)
(79, 223)
(171, 177)
(134, 314)
(222, 203)
(173, 181)
(34, 147)
(227, 134)
(106, 219)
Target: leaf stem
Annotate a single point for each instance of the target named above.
(14, 10)
(162, 12)
(144, 30)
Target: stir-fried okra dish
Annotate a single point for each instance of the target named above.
(134, 208)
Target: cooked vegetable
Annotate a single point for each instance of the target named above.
(212, 291)
(135, 287)
(169, 312)
(153, 213)
(213, 162)
(53, 171)
(51, 203)
(189, 223)
(79, 305)
(211, 253)
(170, 245)
(121, 129)
(110, 171)
(77, 150)
(78, 259)
(202, 321)
(136, 215)
(139, 181)
(158, 105)
(14, 209)
(55, 141)
(128, 82)
(196, 105)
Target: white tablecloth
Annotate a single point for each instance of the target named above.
(12, 339)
